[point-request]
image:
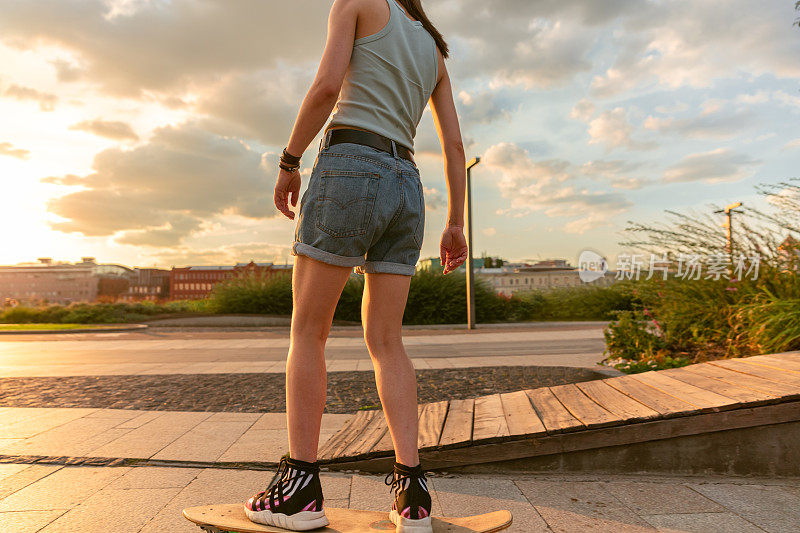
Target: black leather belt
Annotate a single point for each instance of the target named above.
(347, 135)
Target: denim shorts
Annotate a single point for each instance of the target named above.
(363, 208)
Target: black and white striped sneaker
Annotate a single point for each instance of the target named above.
(411, 510)
(292, 500)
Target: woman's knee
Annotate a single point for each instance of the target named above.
(382, 341)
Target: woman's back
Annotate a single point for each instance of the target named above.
(390, 78)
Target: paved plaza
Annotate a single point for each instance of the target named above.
(46, 483)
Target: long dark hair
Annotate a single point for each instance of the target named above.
(414, 8)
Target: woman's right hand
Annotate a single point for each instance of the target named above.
(452, 248)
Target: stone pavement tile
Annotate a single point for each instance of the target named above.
(24, 477)
(769, 507)
(578, 506)
(701, 523)
(209, 487)
(120, 414)
(117, 510)
(234, 417)
(420, 363)
(27, 521)
(661, 498)
(155, 477)
(257, 445)
(346, 365)
(75, 438)
(9, 469)
(365, 365)
(151, 437)
(42, 419)
(335, 487)
(272, 421)
(141, 418)
(469, 496)
(204, 442)
(7, 444)
(63, 489)
(370, 493)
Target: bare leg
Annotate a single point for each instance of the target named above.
(316, 287)
(382, 309)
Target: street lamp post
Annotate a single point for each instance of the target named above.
(729, 211)
(470, 285)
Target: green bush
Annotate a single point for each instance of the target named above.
(97, 313)
(253, 295)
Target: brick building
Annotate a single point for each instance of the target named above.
(148, 284)
(196, 282)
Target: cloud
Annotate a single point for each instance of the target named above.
(165, 48)
(118, 131)
(550, 186)
(46, 101)
(434, 199)
(6, 148)
(481, 107)
(612, 129)
(583, 110)
(792, 144)
(518, 42)
(228, 254)
(257, 105)
(489, 231)
(616, 173)
(716, 122)
(689, 43)
(163, 191)
(715, 166)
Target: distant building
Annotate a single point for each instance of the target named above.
(435, 263)
(148, 284)
(550, 274)
(59, 283)
(196, 282)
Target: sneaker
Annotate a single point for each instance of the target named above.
(411, 510)
(292, 500)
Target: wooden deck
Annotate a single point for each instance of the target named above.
(714, 396)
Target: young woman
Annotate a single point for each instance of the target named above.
(363, 208)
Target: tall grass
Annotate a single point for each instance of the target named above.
(697, 320)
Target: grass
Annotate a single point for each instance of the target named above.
(41, 327)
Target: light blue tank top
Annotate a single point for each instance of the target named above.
(390, 79)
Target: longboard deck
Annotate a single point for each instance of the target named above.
(231, 517)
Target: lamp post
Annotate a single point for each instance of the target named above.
(729, 211)
(470, 286)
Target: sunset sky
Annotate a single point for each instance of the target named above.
(146, 132)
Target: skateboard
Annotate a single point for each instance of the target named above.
(226, 518)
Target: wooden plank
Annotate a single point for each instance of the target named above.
(664, 428)
(520, 415)
(791, 356)
(584, 408)
(774, 362)
(458, 424)
(703, 399)
(431, 423)
(772, 388)
(552, 413)
(738, 393)
(325, 450)
(369, 437)
(489, 420)
(653, 398)
(616, 402)
(386, 444)
(771, 374)
(361, 421)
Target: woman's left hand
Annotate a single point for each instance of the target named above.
(288, 183)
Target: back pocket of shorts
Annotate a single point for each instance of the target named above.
(346, 201)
